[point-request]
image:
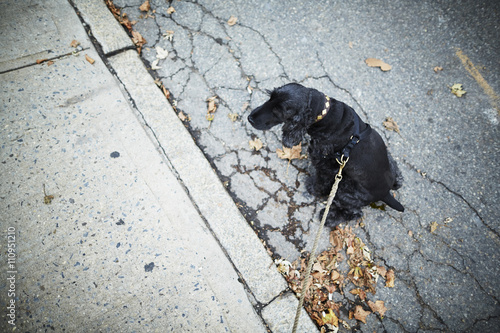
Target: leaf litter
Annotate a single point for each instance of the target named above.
(328, 279)
(255, 144)
(373, 62)
(457, 90)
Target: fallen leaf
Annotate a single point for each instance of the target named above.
(89, 59)
(74, 43)
(138, 40)
(212, 107)
(391, 125)
(50, 62)
(330, 318)
(389, 279)
(170, 10)
(317, 267)
(351, 45)
(232, 20)
(256, 144)
(161, 53)
(361, 314)
(457, 90)
(434, 225)
(283, 266)
(335, 275)
(372, 62)
(145, 6)
(39, 61)
(47, 199)
(165, 92)
(169, 35)
(378, 306)
(182, 116)
(290, 153)
(437, 69)
(360, 292)
(233, 116)
(154, 65)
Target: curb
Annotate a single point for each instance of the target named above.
(267, 289)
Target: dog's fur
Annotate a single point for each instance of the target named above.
(370, 173)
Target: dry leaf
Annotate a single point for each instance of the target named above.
(434, 226)
(126, 22)
(233, 116)
(182, 116)
(145, 6)
(361, 314)
(330, 318)
(360, 292)
(154, 65)
(351, 45)
(39, 61)
(138, 40)
(170, 10)
(372, 62)
(169, 35)
(381, 270)
(232, 20)
(389, 279)
(256, 144)
(378, 306)
(290, 153)
(335, 275)
(161, 53)
(212, 107)
(50, 62)
(89, 59)
(457, 90)
(391, 125)
(74, 43)
(437, 69)
(165, 92)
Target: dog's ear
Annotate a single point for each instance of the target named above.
(293, 131)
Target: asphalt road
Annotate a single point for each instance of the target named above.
(444, 248)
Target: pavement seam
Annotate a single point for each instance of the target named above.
(45, 60)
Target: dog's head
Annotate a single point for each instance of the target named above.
(291, 105)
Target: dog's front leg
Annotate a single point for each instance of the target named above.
(320, 183)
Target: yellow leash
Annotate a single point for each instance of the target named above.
(331, 196)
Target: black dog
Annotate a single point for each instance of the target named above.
(337, 133)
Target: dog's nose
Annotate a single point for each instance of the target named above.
(251, 120)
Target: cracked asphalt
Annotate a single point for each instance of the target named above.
(447, 149)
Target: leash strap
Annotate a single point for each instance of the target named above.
(338, 177)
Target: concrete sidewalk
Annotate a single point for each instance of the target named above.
(111, 225)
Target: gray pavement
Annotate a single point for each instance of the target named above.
(447, 278)
(140, 233)
(112, 218)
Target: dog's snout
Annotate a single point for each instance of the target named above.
(251, 120)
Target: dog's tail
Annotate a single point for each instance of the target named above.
(393, 203)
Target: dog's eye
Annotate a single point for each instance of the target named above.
(278, 110)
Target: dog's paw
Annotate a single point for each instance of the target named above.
(310, 187)
(333, 219)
